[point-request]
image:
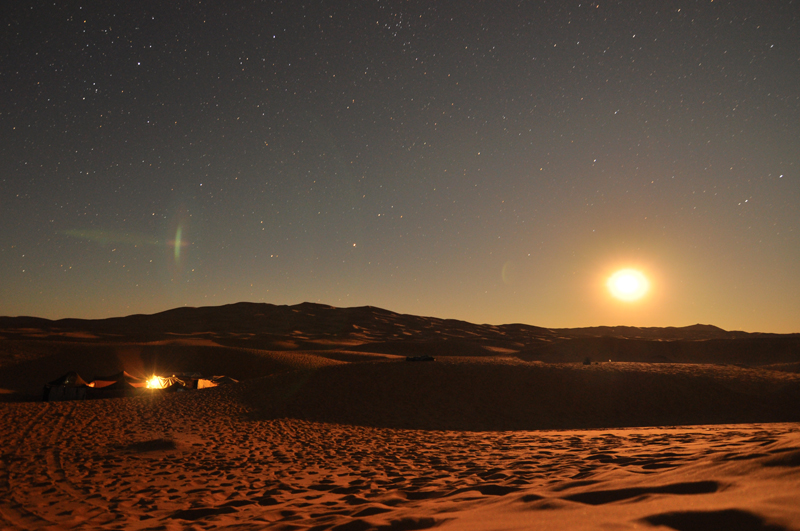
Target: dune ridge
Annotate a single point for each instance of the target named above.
(511, 427)
(488, 393)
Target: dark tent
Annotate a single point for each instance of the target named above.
(115, 385)
(222, 380)
(69, 387)
(121, 378)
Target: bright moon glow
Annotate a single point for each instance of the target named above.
(628, 284)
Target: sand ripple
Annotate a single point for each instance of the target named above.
(200, 461)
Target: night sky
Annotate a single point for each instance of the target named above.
(487, 161)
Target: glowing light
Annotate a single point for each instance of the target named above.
(178, 244)
(628, 284)
(106, 237)
(155, 383)
(510, 272)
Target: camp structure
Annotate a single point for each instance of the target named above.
(69, 387)
(183, 381)
(221, 380)
(72, 387)
(115, 386)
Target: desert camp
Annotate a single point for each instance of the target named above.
(72, 387)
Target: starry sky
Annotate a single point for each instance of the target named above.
(487, 161)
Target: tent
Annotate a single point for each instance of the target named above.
(120, 379)
(223, 380)
(69, 387)
(115, 385)
(72, 387)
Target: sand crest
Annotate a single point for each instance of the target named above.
(199, 461)
(331, 429)
(480, 393)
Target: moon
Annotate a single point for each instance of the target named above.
(628, 284)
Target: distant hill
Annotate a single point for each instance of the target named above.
(314, 321)
(695, 332)
(249, 340)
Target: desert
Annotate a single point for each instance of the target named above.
(330, 427)
(549, 254)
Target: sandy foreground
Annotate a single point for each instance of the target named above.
(213, 459)
(332, 429)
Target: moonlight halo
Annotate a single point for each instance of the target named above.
(628, 285)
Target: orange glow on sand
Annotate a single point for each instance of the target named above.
(628, 284)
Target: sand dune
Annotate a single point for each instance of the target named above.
(752, 351)
(507, 394)
(200, 461)
(253, 320)
(331, 429)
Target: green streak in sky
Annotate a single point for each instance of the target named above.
(112, 237)
(178, 244)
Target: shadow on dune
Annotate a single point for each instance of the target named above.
(477, 394)
(755, 351)
(730, 519)
(451, 347)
